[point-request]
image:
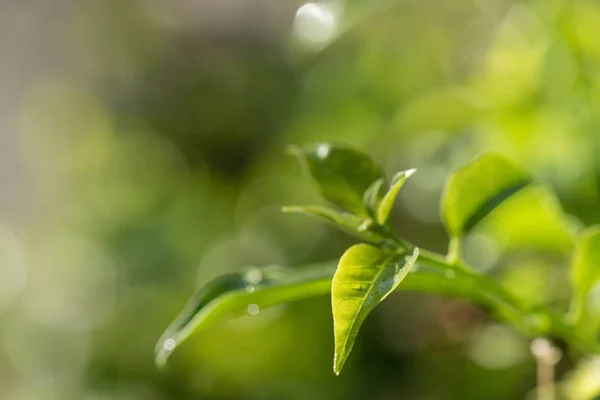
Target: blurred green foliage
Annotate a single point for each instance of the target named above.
(155, 150)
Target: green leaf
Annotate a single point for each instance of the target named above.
(585, 270)
(231, 296)
(342, 174)
(365, 276)
(373, 196)
(474, 190)
(387, 203)
(348, 223)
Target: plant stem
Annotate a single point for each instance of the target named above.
(545, 380)
(453, 256)
(547, 356)
(533, 322)
(501, 300)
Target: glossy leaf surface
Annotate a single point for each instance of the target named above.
(474, 190)
(342, 174)
(365, 276)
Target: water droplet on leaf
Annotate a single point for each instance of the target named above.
(253, 276)
(253, 309)
(323, 151)
(169, 344)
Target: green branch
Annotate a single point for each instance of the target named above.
(368, 272)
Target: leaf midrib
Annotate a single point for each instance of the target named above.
(380, 271)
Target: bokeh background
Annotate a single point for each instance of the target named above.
(142, 153)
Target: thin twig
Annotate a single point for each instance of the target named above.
(547, 356)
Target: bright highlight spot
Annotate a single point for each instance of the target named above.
(169, 344)
(315, 22)
(323, 151)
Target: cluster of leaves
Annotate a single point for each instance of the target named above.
(368, 272)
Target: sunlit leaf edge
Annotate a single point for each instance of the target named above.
(490, 204)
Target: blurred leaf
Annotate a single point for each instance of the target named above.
(365, 276)
(534, 219)
(585, 270)
(341, 173)
(474, 190)
(387, 204)
(346, 222)
(373, 196)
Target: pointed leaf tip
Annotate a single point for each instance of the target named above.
(365, 276)
(409, 172)
(384, 210)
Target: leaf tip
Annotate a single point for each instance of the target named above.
(164, 348)
(338, 363)
(409, 172)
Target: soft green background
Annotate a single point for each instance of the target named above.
(142, 153)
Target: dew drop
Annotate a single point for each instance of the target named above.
(253, 276)
(249, 289)
(253, 309)
(169, 344)
(323, 151)
(450, 274)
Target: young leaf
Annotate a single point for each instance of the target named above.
(585, 269)
(474, 190)
(348, 223)
(342, 174)
(387, 203)
(365, 276)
